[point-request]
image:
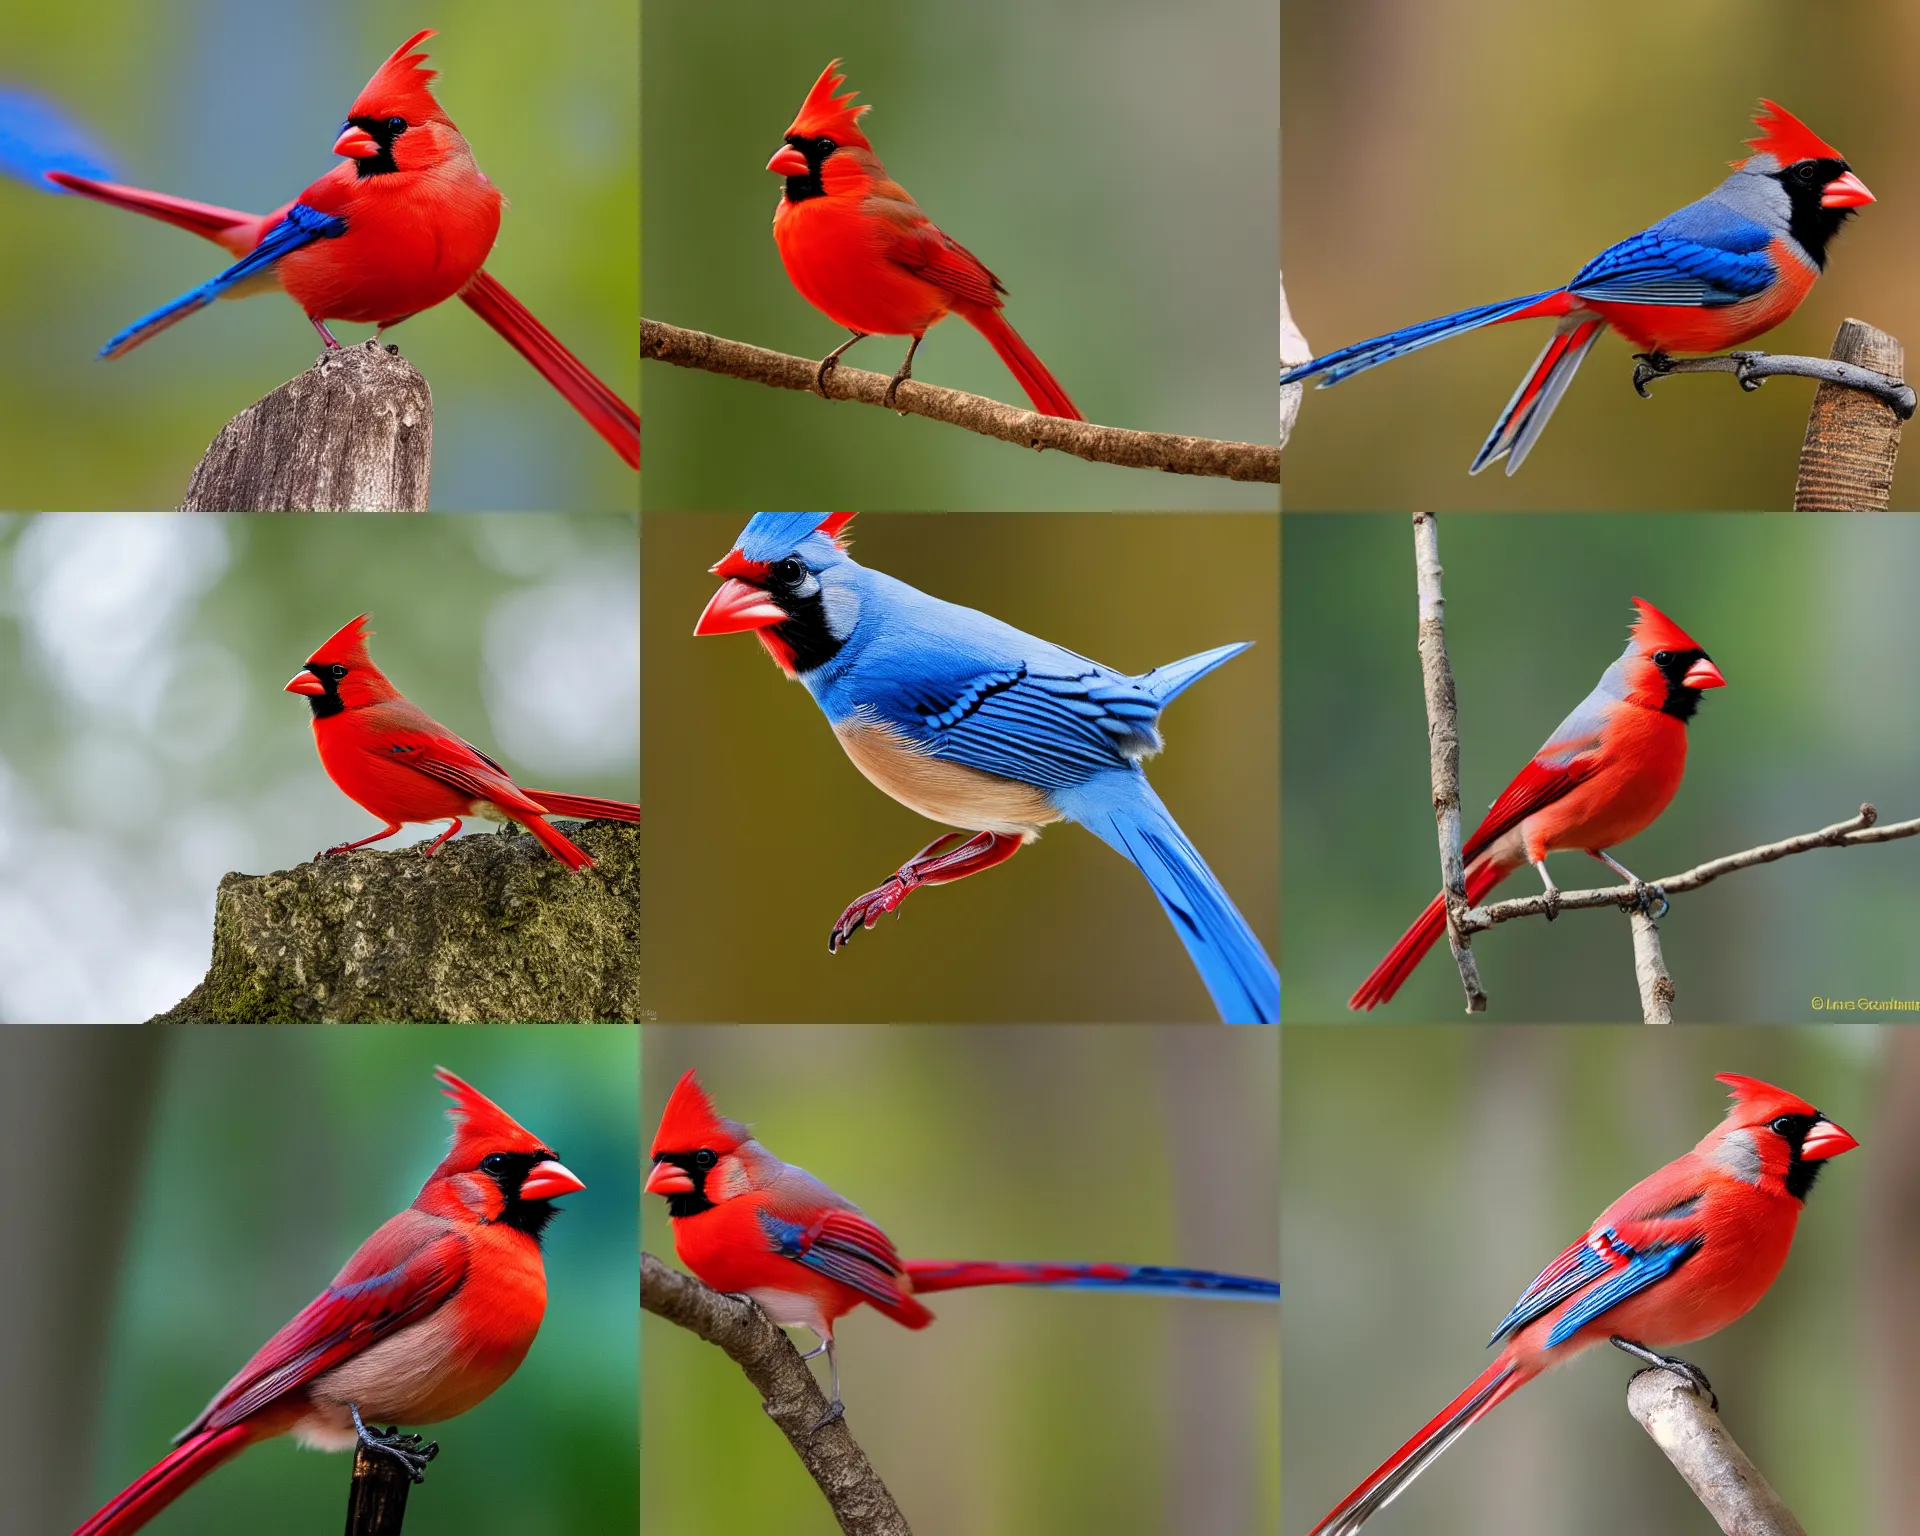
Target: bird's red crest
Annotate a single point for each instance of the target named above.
(825, 115)
(1786, 138)
(401, 87)
(690, 1122)
(1654, 631)
(1756, 1101)
(479, 1122)
(348, 643)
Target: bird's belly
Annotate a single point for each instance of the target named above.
(836, 260)
(1689, 328)
(421, 1375)
(389, 788)
(387, 267)
(941, 791)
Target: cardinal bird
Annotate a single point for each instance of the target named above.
(400, 225)
(1681, 1255)
(972, 723)
(860, 250)
(1717, 273)
(434, 1312)
(401, 764)
(1602, 777)
(745, 1222)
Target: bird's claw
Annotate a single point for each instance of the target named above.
(412, 1451)
(867, 911)
(1648, 366)
(827, 365)
(893, 389)
(1743, 369)
(832, 1416)
(1685, 1369)
(1552, 909)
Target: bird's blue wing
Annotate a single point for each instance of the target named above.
(301, 227)
(1602, 1270)
(1705, 255)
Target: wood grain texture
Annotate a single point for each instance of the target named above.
(1846, 461)
(377, 1497)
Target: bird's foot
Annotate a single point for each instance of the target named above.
(1648, 366)
(1647, 897)
(893, 388)
(827, 364)
(1694, 1376)
(412, 1451)
(833, 1415)
(334, 851)
(867, 910)
(1743, 369)
(1552, 908)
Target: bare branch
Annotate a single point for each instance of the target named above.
(1846, 461)
(1754, 368)
(1650, 970)
(1083, 439)
(377, 1498)
(1741, 1501)
(1443, 750)
(788, 1391)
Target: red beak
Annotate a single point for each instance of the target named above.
(545, 1181)
(305, 682)
(1845, 191)
(669, 1179)
(1825, 1140)
(788, 161)
(738, 606)
(1703, 674)
(358, 144)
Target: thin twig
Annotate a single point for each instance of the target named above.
(1083, 439)
(1650, 969)
(1754, 368)
(788, 1391)
(1443, 750)
(1682, 1423)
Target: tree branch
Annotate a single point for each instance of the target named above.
(1754, 368)
(1166, 451)
(377, 1497)
(788, 1392)
(1741, 1501)
(1852, 441)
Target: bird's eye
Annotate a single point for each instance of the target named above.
(704, 1158)
(1784, 1125)
(827, 146)
(1661, 658)
(790, 572)
(494, 1162)
(397, 124)
(1804, 171)
(336, 670)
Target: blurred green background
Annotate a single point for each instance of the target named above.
(1430, 1173)
(1019, 1410)
(1445, 153)
(760, 831)
(1813, 623)
(147, 747)
(237, 102)
(1114, 163)
(272, 1155)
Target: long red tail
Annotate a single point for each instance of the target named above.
(931, 1275)
(576, 859)
(605, 412)
(1048, 398)
(137, 1503)
(1390, 1478)
(238, 232)
(1391, 973)
(587, 807)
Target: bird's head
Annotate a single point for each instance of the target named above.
(1770, 1135)
(1820, 189)
(826, 125)
(1664, 666)
(340, 675)
(696, 1163)
(498, 1172)
(396, 124)
(788, 579)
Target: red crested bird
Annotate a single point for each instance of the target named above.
(432, 1314)
(399, 763)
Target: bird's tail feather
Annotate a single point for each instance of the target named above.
(1391, 973)
(576, 859)
(586, 807)
(1176, 677)
(1122, 810)
(37, 138)
(1525, 417)
(930, 1275)
(1344, 362)
(1042, 388)
(1498, 1381)
(157, 1487)
(204, 219)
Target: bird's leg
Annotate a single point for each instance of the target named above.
(1693, 1373)
(906, 370)
(434, 847)
(387, 831)
(1645, 895)
(1648, 366)
(837, 1409)
(832, 361)
(411, 1451)
(952, 856)
(325, 334)
(1553, 891)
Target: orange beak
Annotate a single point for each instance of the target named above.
(1845, 191)
(669, 1179)
(358, 144)
(546, 1181)
(1825, 1140)
(305, 682)
(737, 607)
(1703, 674)
(788, 161)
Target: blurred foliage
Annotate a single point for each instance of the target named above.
(147, 747)
(1440, 155)
(275, 1153)
(1019, 1409)
(760, 831)
(1114, 163)
(1431, 1172)
(237, 102)
(1813, 624)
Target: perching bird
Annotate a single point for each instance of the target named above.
(432, 1314)
(972, 723)
(1719, 272)
(1681, 1255)
(745, 1222)
(1602, 777)
(861, 251)
(398, 762)
(402, 224)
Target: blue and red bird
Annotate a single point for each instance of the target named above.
(978, 725)
(1718, 273)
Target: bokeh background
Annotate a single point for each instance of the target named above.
(1811, 620)
(760, 831)
(147, 747)
(1444, 153)
(1019, 1409)
(1430, 1173)
(1114, 163)
(237, 102)
(193, 1188)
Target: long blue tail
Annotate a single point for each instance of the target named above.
(931, 1275)
(1362, 355)
(1121, 809)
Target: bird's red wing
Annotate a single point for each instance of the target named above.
(392, 1281)
(938, 258)
(442, 755)
(1534, 787)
